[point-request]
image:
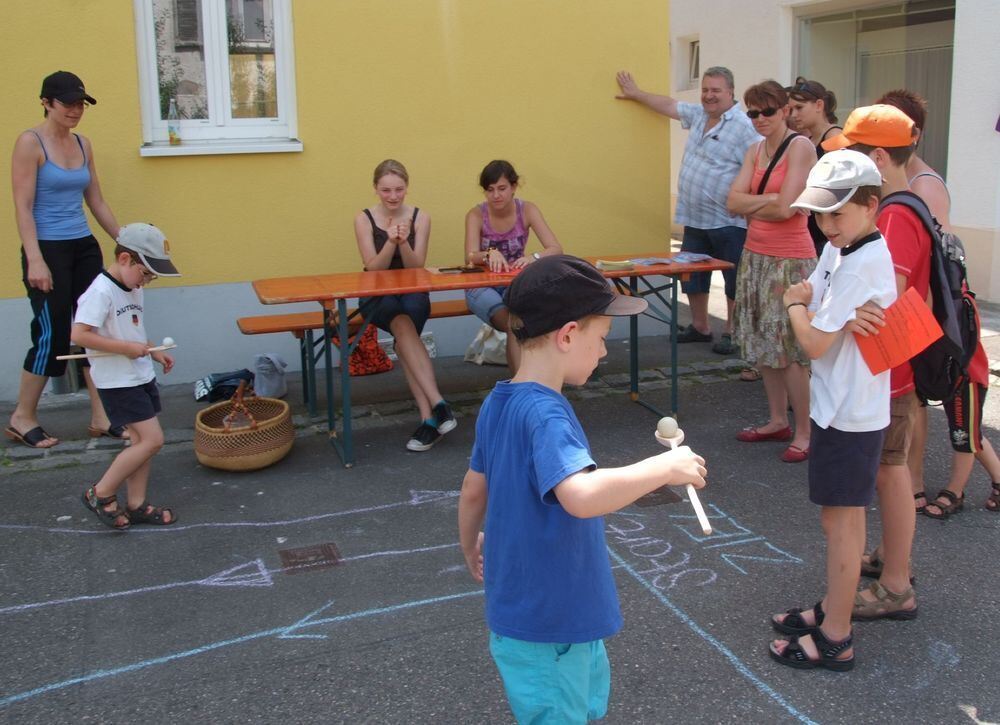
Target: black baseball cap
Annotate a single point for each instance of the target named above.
(66, 87)
(558, 289)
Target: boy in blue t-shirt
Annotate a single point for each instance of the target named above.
(550, 595)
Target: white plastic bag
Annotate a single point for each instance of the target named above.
(489, 347)
(269, 375)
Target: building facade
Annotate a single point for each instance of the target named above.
(285, 108)
(942, 49)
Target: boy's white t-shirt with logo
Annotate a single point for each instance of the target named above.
(115, 311)
(843, 393)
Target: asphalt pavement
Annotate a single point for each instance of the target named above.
(311, 593)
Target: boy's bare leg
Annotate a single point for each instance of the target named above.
(898, 525)
(844, 528)
(98, 418)
(915, 458)
(147, 440)
(25, 415)
(961, 469)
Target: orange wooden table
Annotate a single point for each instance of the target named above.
(332, 291)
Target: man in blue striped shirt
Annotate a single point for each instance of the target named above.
(720, 134)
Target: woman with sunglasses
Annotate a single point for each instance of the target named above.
(53, 174)
(778, 253)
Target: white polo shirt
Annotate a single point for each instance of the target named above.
(843, 393)
(115, 311)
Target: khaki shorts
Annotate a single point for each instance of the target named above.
(899, 434)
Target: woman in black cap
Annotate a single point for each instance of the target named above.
(53, 173)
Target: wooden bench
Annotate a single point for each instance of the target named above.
(303, 324)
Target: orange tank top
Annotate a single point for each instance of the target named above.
(789, 238)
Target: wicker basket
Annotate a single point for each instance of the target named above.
(265, 440)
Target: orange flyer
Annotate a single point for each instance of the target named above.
(909, 329)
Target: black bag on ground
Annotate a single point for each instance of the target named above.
(220, 386)
(941, 369)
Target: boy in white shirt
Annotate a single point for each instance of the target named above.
(848, 405)
(109, 319)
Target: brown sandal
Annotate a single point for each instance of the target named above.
(993, 502)
(146, 513)
(887, 605)
(114, 518)
(953, 506)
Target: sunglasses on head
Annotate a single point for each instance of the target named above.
(766, 113)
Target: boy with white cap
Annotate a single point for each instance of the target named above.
(849, 406)
(109, 319)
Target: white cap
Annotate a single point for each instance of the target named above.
(151, 245)
(835, 178)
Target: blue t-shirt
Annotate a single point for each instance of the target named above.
(547, 574)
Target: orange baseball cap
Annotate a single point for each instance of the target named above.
(881, 125)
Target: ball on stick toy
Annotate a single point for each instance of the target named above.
(668, 434)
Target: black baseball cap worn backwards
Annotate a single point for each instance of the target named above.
(558, 289)
(65, 87)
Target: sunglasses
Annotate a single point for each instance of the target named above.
(766, 113)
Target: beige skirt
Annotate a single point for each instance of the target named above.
(763, 330)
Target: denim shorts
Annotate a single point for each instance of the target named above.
(381, 311)
(484, 302)
(725, 243)
(553, 683)
(130, 405)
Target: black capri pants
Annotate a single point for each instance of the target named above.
(73, 263)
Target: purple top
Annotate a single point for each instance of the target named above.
(510, 243)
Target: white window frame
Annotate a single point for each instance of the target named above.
(694, 63)
(219, 133)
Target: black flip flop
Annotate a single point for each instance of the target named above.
(31, 439)
(115, 431)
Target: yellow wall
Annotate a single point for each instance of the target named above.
(442, 86)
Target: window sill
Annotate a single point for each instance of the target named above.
(201, 148)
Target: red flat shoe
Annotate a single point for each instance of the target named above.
(794, 454)
(753, 435)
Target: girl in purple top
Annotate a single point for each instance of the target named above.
(496, 235)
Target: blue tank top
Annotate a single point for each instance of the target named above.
(58, 208)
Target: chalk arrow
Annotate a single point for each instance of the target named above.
(253, 574)
(418, 497)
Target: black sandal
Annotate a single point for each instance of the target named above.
(920, 495)
(794, 623)
(954, 505)
(795, 656)
(149, 514)
(993, 502)
(113, 518)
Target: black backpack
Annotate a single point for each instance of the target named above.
(941, 369)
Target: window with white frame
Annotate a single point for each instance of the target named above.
(228, 64)
(694, 64)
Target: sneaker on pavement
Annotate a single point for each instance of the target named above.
(445, 418)
(423, 438)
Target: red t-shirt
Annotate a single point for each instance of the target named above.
(910, 248)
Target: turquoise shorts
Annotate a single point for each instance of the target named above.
(553, 683)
